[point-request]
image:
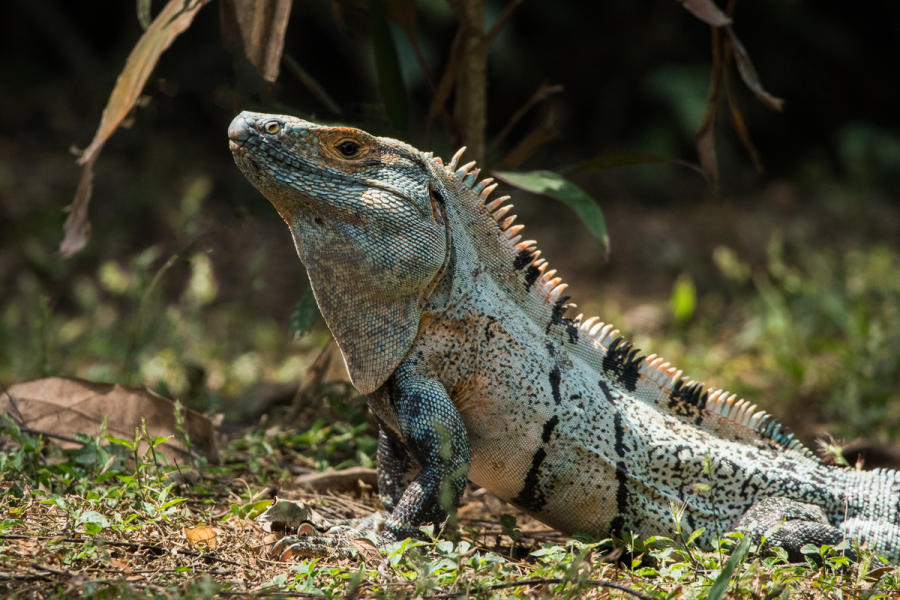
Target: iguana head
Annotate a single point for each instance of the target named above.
(367, 221)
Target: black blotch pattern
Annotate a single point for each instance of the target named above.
(549, 426)
(693, 395)
(521, 260)
(531, 275)
(624, 361)
(615, 526)
(555, 378)
(620, 435)
(606, 393)
(621, 468)
(488, 333)
(531, 498)
(557, 318)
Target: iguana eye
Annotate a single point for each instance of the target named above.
(273, 127)
(348, 149)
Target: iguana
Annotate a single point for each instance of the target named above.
(457, 331)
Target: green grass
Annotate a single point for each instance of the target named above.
(109, 520)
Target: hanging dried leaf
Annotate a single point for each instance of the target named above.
(740, 126)
(706, 138)
(749, 74)
(256, 28)
(706, 11)
(174, 18)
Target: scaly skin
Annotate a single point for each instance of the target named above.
(456, 330)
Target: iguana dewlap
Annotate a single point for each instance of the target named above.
(456, 328)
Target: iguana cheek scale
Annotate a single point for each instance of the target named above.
(456, 329)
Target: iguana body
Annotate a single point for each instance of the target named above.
(457, 331)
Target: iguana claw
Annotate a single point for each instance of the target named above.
(345, 539)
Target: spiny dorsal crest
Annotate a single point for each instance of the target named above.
(652, 378)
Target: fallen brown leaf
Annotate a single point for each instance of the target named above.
(344, 480)
(204, 534)
(63, 406)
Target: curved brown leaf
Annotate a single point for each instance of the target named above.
(257, 28)
(706, 11)
(749, 74)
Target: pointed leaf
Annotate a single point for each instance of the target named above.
(559, 188)
(749, 74)
(720, 585)
(706, 11)
(257, 29)
(706, 139)
(740, 127)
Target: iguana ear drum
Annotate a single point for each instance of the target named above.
(437, 205)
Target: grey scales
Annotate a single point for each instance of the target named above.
(457, 330)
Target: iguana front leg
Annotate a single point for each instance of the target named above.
(433, 432)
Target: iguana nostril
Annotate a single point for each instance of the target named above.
(239, 129)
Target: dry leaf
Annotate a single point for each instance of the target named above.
(706, 139)
(740, 127)
(706, 11)
(288, 514)
(256, 28)
(63, 406)
(749, 74)
(203, 534)
(173, 19)
(345, 480)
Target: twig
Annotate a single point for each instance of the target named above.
(545, 581)
(12, 402)
(48, 434)
(40, 567)
(500, 23)
(540, 94)
(129, 545)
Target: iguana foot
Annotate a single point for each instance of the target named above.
(344, 539)
(789, 524)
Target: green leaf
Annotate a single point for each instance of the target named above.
(694, 535)
(683, 301)
(387, 66)
(93, 522)
(720, 585)
(304, 315)
(143, 13)
(559, 188)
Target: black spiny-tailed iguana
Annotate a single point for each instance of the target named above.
(456, 329)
